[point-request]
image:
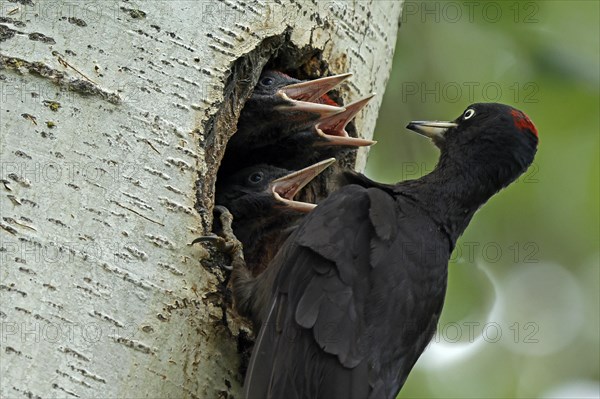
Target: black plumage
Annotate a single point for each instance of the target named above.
(280, 105)
(360, 284)
(261, 201)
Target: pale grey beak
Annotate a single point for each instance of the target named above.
(433, 129)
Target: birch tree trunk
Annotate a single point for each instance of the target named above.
(114, 117)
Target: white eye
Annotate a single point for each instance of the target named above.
(469, 114)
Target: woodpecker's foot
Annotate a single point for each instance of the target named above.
(228, 243)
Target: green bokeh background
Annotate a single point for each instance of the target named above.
(531, 255)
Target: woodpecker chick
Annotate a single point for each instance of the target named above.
(279, 105)
(264, 213)
(325, 139)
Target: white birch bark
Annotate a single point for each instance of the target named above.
(114, 116)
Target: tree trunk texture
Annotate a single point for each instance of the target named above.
(114, 118)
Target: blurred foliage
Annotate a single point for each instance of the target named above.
(531, 255)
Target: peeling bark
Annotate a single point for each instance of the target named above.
(114, 118)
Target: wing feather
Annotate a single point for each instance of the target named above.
(345, 257)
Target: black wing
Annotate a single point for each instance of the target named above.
(337, 323)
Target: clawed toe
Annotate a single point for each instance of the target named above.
(228, 243)
(221, 243)
(212, 238)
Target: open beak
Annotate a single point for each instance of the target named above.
(302, 96)
(311, 90)
(323, 110)
(433, 129)
(333, 128)
(285, 188)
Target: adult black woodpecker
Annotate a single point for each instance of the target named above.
(281, 104)
(326, 138)
(360, 284)
(261, 201)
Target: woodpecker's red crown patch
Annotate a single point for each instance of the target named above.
(523, 122)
